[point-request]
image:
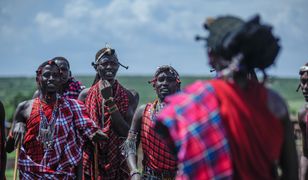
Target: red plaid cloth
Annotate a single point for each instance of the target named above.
(73, 89)
(196, 129)
(157, 155)
(72, 127)
(111, 163)
(255, 134)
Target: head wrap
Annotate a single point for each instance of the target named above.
(165, 68)
(230, 37)
(48, 62)
(106, 54)
(302, 70)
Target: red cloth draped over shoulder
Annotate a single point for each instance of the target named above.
(111, 163)
(33, 147)
(157, 154)
(254, 133)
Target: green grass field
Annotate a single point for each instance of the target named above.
(15, 90)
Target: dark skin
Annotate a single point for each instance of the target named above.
(288, 157)
(107, 70)
(65, 75)
(164, 86)
(64, 70)
(2, 148)
(48, 83)
(302, 114)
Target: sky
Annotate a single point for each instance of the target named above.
(145, 33)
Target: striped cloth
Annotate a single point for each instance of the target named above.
(73, 89)
(72, 128)
(157, 155)
(195, 126)
(111, 162)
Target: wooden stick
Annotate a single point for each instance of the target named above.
(16, 161)
(96, 161)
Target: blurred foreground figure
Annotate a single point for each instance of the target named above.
(159, 161)
(112, 107)
(51, 130)
(232, 127)
(303, 118)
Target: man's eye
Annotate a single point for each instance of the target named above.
(160, 79)
(170, 79)
(46, 74)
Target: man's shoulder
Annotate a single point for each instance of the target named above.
(276, 104)
(133, 93)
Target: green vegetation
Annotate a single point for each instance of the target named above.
(16, 90)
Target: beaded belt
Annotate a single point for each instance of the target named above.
(151, 174)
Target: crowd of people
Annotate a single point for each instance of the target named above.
(230, 127)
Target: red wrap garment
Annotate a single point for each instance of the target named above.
(157, 155)
(72, 128)
(255, 135)
(111, 162)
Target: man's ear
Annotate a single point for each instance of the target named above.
(70, 73)
(38, 83)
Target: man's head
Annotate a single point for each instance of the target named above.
(303, 73)
(166, 81)
(48, 77)
(242, 45)
(64, 66)
(106, 63)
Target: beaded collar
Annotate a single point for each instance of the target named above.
(47, 129)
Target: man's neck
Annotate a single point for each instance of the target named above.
(48, 98)
(112, 81)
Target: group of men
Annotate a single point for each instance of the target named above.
(231, 127)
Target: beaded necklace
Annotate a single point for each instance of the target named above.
(47, 129)
(157, 107)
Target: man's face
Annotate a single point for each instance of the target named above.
(304, 84)
(165, 85)
(64, 70)
(50, 80)
(107, 69)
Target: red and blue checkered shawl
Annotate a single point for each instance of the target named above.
(72, 128)
(157, 155)
(196, 128)
(111, 162)
(73, 89)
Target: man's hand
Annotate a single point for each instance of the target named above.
(99, 136)
(106, 89)
(18, 132)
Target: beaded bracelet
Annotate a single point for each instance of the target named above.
(110, 99)
(133, 172)
(113, 109)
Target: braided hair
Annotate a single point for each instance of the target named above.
(246, 45)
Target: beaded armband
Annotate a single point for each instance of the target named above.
(129, 145)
